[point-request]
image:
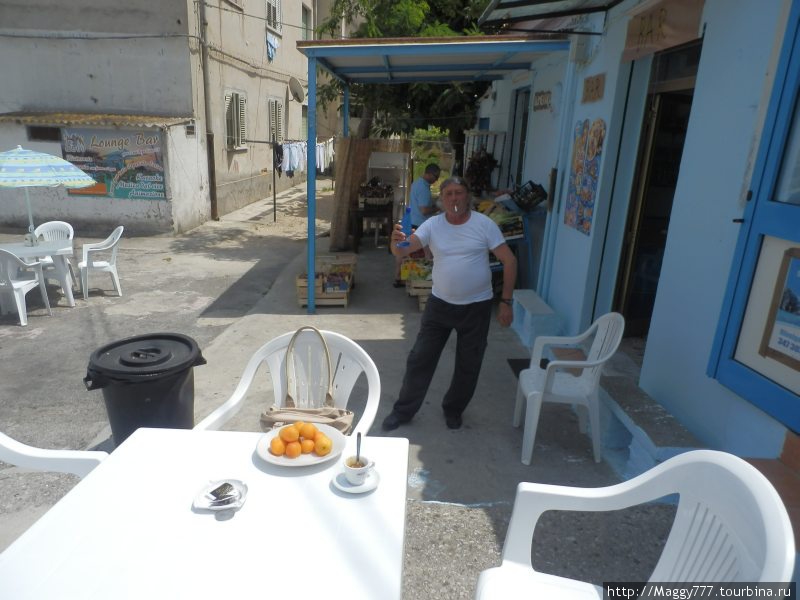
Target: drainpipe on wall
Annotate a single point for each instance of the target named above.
(212, 167)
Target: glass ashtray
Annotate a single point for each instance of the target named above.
(225, 494)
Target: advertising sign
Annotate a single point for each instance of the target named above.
(125, 163)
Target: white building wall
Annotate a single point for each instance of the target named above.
(733, 83)
(87, 56)
(186, 180)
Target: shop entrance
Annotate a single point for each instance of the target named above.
(660, 148)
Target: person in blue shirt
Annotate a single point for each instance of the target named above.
(420, 198)
(422, 207)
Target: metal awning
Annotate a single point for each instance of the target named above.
(408, 60)
(58, 119)
(504, 12)
(429, 60)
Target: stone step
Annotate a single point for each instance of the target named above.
(638, 433)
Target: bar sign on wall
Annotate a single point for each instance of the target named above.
(593, 88)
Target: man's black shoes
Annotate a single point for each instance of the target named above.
(453, 421)
(391, 422)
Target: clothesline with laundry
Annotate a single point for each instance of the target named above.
(292, 156)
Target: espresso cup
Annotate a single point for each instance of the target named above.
(356, 473)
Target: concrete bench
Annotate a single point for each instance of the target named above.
(638, 433)
(533, 317)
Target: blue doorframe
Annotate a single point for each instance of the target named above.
(763, 217)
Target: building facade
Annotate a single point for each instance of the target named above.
(667, 142)
(172, 105)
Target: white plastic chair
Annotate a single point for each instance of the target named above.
(17, 278)
(78, 462)
(348, 361)
(52, 231)
(553, 384)
(730, 526)
(89, 263)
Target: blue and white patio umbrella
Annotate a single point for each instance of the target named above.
(21, 168)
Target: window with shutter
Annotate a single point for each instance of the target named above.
(235, 120)
(274, 20)
(276, 127)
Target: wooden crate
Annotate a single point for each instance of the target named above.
(325, 299)
(419, 287)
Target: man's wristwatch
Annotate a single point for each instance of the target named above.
(506, 301)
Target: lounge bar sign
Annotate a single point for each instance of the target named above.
(655, 26)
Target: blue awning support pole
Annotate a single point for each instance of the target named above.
(311, 182)
(346, 112)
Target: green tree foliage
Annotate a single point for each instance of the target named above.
(402, 108)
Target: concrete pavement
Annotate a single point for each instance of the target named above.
(230, 285)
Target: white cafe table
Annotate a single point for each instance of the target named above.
(128, 530)
(58, 249)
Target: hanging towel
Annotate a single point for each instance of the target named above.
(272, 46)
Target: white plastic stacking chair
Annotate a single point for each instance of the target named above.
(89, 262)
(554, 384)
(730, 526)
(52, 231)
(17, 278)
(78, 462)
(348, 361)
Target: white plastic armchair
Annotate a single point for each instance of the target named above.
(88, 262)
(730, 526)
(53, 231)
(78, 462)
(348, 361)
(17, 278)
(554, 384)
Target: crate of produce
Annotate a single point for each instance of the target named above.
(414, 269)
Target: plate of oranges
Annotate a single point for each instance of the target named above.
(300, 444)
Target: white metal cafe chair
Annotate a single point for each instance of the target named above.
(348, 362)
(89, 262)
(552, 382)
(730, 526)
(52, 231)
(78, 462)
(17, 278)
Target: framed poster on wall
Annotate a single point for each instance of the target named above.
(781, 339)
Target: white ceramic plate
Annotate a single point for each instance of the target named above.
(337, 437)
(370, 483)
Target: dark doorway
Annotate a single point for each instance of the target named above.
(660, 150)
(519, 134)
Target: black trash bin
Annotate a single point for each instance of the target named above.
(147, 381)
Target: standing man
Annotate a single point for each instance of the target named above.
(420, 196)
(460, 240)
(421, 207)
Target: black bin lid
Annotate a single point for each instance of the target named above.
(144, 356)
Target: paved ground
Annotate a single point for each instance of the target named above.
(230, 285)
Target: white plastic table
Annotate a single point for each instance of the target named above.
(58, 249)
(128, 531)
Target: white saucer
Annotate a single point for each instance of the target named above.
(340, 483)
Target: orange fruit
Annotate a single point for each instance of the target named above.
(293, 449)
(308, 431)
(322, 445)
(277, 447)
(318, 435)
(307, 446)
(299, 425)
(289, 433)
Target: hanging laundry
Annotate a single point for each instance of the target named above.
(277, 158)
(272, 46)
